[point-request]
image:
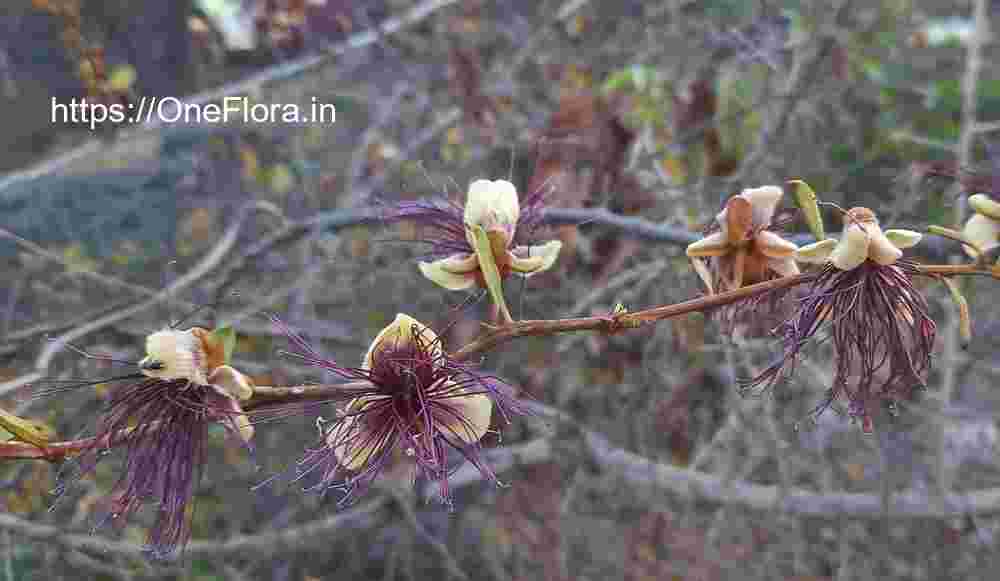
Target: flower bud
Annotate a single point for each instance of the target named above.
(493, 205)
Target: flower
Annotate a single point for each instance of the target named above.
(493, 206)
(164, 418)
(983, 228)
(418, 404)
(744, 250)
(863, 239)
(880, 329)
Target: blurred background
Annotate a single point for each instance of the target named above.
(643, 461)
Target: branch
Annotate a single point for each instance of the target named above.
(804, 69)
(693, 483)
(207, 264)
(609, 324)
(262, 544)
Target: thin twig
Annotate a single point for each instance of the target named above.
(198, 272)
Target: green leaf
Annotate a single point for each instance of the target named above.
(227, 336)
(805, 199)
(488, 264)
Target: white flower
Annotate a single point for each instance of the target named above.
(494, 207)
(983, 228)
(862, 239)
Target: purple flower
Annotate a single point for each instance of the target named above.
(163, 421)
(418, 404)
(878, 323)
(493, 206)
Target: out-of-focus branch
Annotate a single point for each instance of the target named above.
(268, 543)
(966, 155)
(199, 271)
(252, 85)
(804, 69)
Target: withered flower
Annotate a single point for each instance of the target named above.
(983, 228)
(418, 405)
(878, 323)
(185, 385)
(740, 249)
(494, 207)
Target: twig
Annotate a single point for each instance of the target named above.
(494, 336)
(207, 264)
(804, 69)
(283, 541)
(402, 503)
(966, 142)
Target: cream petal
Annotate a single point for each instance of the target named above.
(460, 263)
(540, 258)
(764, 200)
(469, 418)
(180, 354)
(982, 231)
(352, 448)
(245, 427)
(783, 266)
(402, 330)
(234, 413)
(448, 272)
(491, 204)
(903, 238)
(712, 245)
(774, 246)
(817, 252)
(985, 205)
(880, 248)
(232, 382)
(702, 271)
(852, 249)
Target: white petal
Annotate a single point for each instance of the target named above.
(712, 245)
(817, 252)
(852, 249)
(540, 258)
(471, 418)
(233, 416)
(903, 238)
(764, 200)
(401, 331)
(492, 204)
(180, 354)
(232, 382)
(351, 446)
(880, 248)
(450, 272)
(985, 205)
(773, 245)
(984, 232)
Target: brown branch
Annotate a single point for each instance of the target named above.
(618, 322)
(265, 396)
